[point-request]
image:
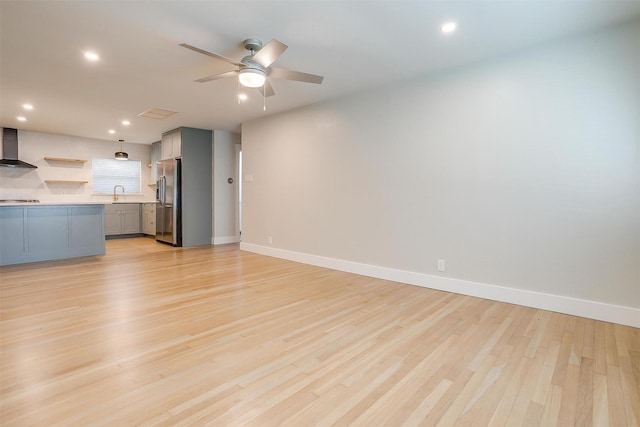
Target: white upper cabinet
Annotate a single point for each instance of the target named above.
(156, 153)
(172, 145)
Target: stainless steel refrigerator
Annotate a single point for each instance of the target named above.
(169, 200)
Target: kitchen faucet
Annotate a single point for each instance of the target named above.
(115, 195)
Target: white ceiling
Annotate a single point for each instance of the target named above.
(355, 45)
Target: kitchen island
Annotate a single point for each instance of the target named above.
(45, 231)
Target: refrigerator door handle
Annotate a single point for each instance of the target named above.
(163, 190)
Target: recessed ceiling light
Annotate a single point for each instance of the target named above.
(27, 106)
(91, 56)
(111, 131)
(126, 122)
(448, 27)
(21, 118)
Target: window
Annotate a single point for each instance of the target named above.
(110, 172)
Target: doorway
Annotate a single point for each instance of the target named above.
(239, 191)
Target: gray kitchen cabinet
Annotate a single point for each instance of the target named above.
(86, 227)
(45, 232)
(122, 219)
(149, 219)
(12, 230)
(112, 223)
(47, 228)
(171, 145)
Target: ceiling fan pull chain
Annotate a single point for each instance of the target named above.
(264, 98)
(238, 94)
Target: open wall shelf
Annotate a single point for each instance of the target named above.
(64, 159)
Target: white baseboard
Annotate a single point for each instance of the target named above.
(223, 240)
(591, 309)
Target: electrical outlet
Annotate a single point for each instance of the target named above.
(270, 240)
(440, 265)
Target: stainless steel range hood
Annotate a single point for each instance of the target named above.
(10, 150)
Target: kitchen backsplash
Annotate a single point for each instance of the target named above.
(67, 178)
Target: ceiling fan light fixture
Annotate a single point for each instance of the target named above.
(449, 27)
(251, 77)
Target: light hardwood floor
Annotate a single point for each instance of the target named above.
(152, 335)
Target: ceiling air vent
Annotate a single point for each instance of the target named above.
(157, 113)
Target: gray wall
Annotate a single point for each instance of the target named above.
(521, 172)
(196, 186)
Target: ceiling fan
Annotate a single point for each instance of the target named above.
(254, 70)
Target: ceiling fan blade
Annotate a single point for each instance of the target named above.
(266, 88)
(217, 76)
(270, 52)
(213, 55)
(283, 73)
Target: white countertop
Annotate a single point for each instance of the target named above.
(73, 203)
(122, 202)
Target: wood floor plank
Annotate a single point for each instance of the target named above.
(524, 397)
(544, 384)
(536, 331)
(567, 416)
(600, 400)
(617, 412)
(465, 397)
(485, 401)
(552, 407)
(153, 335)
(584, 408)
(631, 391)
